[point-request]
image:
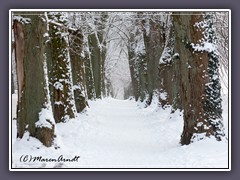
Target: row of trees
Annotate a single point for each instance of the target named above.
(176, 56)
(59, 67)
(61, 63)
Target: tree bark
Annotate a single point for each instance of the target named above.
(168, 70)
(32, 86)
(96, 58)
(193, 66)
(77, 63)
(61, 74)
(90, 86)
(154, 45)
(133, 65)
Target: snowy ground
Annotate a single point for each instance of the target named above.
(120, 134)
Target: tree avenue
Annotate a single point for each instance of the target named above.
(63, 60)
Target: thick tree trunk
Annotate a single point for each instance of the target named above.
(32, 84)
(61, 74)
(193, 77)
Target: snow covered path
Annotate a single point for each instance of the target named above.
(119, 134)
(123, 136)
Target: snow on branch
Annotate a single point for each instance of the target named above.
(61, 25)
(21, 19)
(205, 46)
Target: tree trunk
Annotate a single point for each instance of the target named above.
(76, 49)
(33, 97)
(134, 77)
(143, 77)
(61, 74)
(103, 79)
(154, 44)
(90, 86)
(193, 66)
(96, 59)
(168, 70)
(102, 40)
(133, 65)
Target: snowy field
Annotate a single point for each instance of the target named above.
(121, 134)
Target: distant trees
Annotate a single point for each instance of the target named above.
(92, 27)
(146, 43)
(220, 24)
(153, 35)
(65, 58)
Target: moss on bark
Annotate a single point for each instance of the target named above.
(30, 48)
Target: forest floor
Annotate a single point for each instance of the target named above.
(121, 134)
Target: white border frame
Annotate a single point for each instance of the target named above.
(120, 10)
